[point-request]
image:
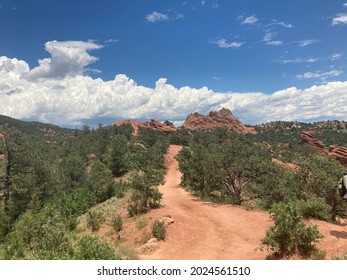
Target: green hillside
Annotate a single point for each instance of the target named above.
(47, 131)
(58, 187)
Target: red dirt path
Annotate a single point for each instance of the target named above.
(204, 230)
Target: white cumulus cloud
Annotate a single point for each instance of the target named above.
(68, 58)
(74, 98)
(324, 102)
(339, 19)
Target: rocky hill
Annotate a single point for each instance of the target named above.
(222, 118)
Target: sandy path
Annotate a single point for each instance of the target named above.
(205, 230)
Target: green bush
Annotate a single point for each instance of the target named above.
(315, 208)
(42, 235)
(343, 257)
(117, 223)
(90, 247)
(144, 197)
(94, 220)
(289, 234)
(159, 229)
(319, 254)
(120, 188)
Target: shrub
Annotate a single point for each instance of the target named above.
(94, 220)
(141, 223)
(316, 208)
(117, 223)
(343, 257)
(159, 229)
(42, 235)
(289, 234)
(90, 247)
(144, 197)
(319, 254)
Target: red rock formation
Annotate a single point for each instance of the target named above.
(153, 124)
(288, 165)
(339, 153)
(222, 118)
(307, 138)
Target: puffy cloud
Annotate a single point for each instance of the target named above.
(155, 17)
(75, 99)
(339, 19)
(223, 43)
(68, 58)
(324, 102)
(248, 20)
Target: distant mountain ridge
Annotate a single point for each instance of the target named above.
(48, 131)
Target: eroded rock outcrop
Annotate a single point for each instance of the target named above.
(222, 118)
(339, 153)
(307, 138)
(287, 165)
(153, 124)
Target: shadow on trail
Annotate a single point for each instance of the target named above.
(339, 234)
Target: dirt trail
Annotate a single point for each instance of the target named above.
(205, 230)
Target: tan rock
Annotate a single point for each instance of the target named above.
(288, 165)
(150, 246)
(167, 220)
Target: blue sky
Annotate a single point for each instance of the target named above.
(265, 60)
